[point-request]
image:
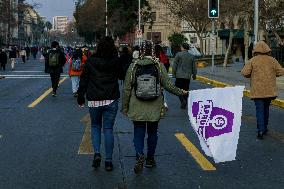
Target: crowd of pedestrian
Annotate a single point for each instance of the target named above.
(144, 71)
(12, 54)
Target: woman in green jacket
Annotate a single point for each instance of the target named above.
(143, 106)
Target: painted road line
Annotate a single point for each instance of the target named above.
(34, 75)
(86, 142)
(277, 102)
(45, 94)
(47, 77)
(26, 71)
(195, 153)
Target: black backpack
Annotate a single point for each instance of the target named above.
(53, 59)
(146, 83)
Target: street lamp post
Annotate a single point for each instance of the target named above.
(139, 20)
(106, 20)
(256, 17)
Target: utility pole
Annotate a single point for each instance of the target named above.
(256, 17)
(106, 20)
(8, 39)
(213, 13)
(213, 45)
(139, 20)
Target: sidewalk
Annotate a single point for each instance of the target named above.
(232, 76)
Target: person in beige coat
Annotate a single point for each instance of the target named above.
(262, 70)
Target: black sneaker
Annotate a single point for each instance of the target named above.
(139, 164)
(150, 163)
(54, 94)
(265, 131)
(97, 160)
(108, 166)
(259, 135)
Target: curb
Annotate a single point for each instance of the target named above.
(277, 102)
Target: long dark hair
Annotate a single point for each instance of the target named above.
(147, 49)
(158, 50)
(106, 48)
(77, 54)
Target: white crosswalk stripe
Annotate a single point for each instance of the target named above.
(28, 76)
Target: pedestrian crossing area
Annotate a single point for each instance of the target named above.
(27, 75)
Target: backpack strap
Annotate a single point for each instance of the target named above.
(133, 73)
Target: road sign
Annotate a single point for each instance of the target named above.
(213, 8)
(139, 34)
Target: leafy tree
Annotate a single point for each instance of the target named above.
(8, 18)
(48, 25)
(90, 17)
(194, 12)
(176, 40)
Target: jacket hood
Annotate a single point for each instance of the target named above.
(261, 47)
(146, 61)
(103, 64)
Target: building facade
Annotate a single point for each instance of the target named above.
(60, 23)
(163, 24)
(9, 21)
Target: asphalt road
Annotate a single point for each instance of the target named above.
(48, 146)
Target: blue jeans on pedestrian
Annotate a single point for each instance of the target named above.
(139, 135)
(262, 113)
(75, 83)
(103, 116)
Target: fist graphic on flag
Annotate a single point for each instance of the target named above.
(212, 121)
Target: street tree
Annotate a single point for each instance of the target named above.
(238, 14)
(271, 18)
(8, 18)
(48, 25)
(90, 17)
(194, 12)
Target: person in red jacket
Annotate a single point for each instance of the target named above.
(76, 63)
(164, 60)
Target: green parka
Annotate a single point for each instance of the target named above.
(140, 110)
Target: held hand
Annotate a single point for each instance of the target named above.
(185, 92)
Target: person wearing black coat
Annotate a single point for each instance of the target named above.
(55, 71)
(12, 57)
(3, 60)
(99, 82)
(125, 60)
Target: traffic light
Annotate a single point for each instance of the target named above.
(213, 8)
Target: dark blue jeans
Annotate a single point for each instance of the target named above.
(139, 135)
(103, 116)
(262, 113)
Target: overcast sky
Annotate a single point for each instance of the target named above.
(50, 8)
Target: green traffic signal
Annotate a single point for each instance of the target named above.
(213, 8)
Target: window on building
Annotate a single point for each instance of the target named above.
(193, 40)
